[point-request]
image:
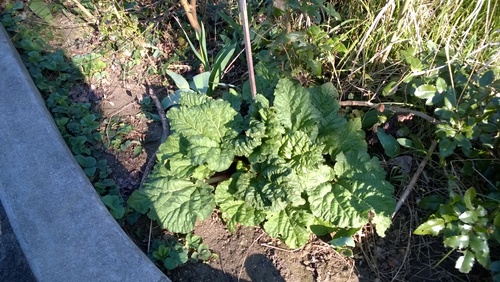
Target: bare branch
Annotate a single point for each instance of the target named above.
(414, 179)
(391, 108)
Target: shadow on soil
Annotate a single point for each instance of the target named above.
(77, 111)
(257, 267)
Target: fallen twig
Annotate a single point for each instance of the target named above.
(90, 17)
(389, 108)
(277, 248)
(164, 135)
(414, 179)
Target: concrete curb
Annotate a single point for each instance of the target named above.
(63, 228)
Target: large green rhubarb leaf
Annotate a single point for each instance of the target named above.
(360, 189)
(345, 137)
(290, 225)
(175, 203)
(313, 176)
(208, 126)
(300, 153)
(236, 211)
(172, 156)
(295, 108)
(325, 100)
(271, 139)
(269, 186)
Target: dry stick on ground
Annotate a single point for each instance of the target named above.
(389, 108)
(164, 134)
(90, 17)
(414, 179)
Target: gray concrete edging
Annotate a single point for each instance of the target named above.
(61, 224)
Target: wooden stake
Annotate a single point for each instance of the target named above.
(248, 46)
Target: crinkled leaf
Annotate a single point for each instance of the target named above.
(205, 151)
(300, 152)
(246, 145)
(361, 188)
(233, 98)
(358, 165)
(172, 155)
(206, 125)
(345, 137)
(272, 136)
(213, 119)
(290, 225)
(348, 204)
(175, 203)
(314, 176)
(371, 189)
(236, 211)
(294, 107)
(269, 186)
(266, 78)
(325, 100)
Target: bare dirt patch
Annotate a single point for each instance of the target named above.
(250, 255)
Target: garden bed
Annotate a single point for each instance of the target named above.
(120, 76)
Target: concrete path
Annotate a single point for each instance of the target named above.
(64, 230)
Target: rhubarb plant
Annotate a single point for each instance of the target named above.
(288, 162)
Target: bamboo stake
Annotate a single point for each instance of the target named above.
(248, 46)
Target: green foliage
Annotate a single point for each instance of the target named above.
(293, 166)
(91, 65)
(466, 103)
(172, 253)
(207, 81)
(115, 135)
(41, 9)
(468, 224)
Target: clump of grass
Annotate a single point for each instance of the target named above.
(466, 31)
